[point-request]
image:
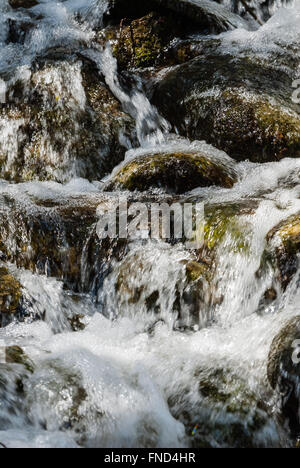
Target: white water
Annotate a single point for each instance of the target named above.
(126, 378)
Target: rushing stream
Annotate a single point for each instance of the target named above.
(115, 346)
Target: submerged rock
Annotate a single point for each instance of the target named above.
(284, 372)
(61, 122)
(227, 101)
(176, 172)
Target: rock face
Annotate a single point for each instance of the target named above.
(226, 101)
(283, 245)
(59, 123)
(284, 372)
(176, 172)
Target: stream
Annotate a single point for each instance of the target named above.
(130, 343)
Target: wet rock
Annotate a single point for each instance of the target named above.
(10, 296)
(283, 245)
(226, 100)
(175, 172)
(284, 372)
(61, 122)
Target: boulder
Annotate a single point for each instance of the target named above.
(175, 172)
(241, 105)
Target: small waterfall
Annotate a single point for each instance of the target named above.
(135, 342)
(150, 126)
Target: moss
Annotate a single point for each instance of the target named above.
(177, 172)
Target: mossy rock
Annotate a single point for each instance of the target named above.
(226, 101)
(10, 294)
(56, 133)
(175, 172)
(284, 372)
(283, 245)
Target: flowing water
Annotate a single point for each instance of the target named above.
(131, 377)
